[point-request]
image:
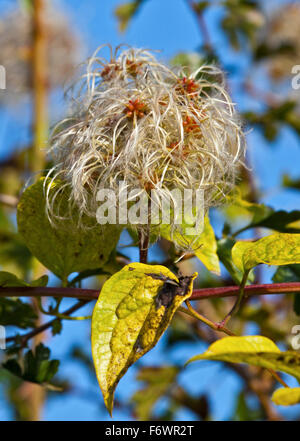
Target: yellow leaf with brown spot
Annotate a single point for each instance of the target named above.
(134, 309)
(276, 249)
(254, 350)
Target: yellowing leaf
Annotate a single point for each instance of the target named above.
(204, 245)
(253, 350)
(240, 207)
(276, 249)
(286, 396)
(130, 316)
(65, 248)
(207, 248)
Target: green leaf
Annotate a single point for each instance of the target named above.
(14, 312)
(204, 246)
(224, 252)
(287, 181)
(130, 316)
(157, 382)
(40, 282)
(253, 350)
(289, 273)
(37, 366)
(56, 327)
(257, 211)
(264, 216)
(286, 396)
(10, 280)
(282, 221)
(65, 248)
(276, 249)
(125, 13)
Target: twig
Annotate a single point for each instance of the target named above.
(144, 237)
(221, 327)
(250, 291)
(238, 302)
(205, 320)
(198, 294)
(26, 337)
(143, 247)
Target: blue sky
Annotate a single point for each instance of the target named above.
(167, 26)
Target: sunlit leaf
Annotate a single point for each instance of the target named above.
(204, 246)
(286, 396)
(130, 316)
(65, 248)
(258, 212)
(253, 350)
(276, 249)
(224, 252)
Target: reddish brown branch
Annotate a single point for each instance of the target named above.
(198, 294)
(252, 290)
(26, 337)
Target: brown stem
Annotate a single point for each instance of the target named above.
(238, 301)
(26, 337)
(143, 247)
(250, 291)
(144, 237)
(198, 294)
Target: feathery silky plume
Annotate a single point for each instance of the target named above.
(134, 120)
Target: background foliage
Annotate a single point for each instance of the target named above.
(237, 35)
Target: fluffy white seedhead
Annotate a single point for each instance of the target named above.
(282, 35)
(135, 120)
(63, 50)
